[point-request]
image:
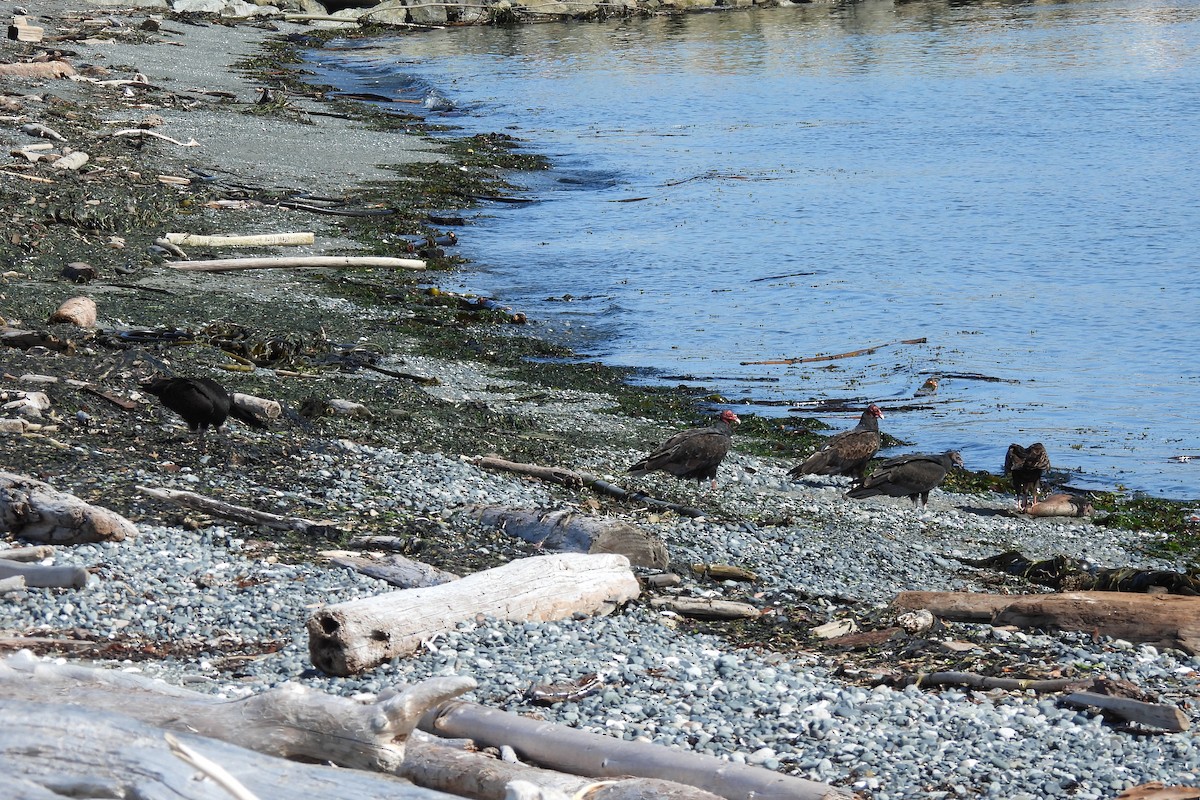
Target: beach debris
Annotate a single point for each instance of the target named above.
(77, 311)
(298, 262)
(254, 240)
(862, 351)
(564, 530)
(38, 512)
(79, 272)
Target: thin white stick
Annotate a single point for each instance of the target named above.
(210, 768)
(164, 137)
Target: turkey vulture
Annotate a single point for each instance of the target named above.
(1026, 465)
(694, 453)
(845, 453)
(912, 476)
(200, 401)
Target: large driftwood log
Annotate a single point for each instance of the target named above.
(51, 751)
(596, 755)
(289, 721)
(347, 638)
(298, 262)
(564, 531)
(38, 512)
(428, 761)
(706, 608)
(1164, 620)
(247, 516)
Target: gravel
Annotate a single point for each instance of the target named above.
(210, 592)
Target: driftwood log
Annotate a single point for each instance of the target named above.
(704, 608)
(251, 240)
(38, 512)
(77, 311)
(53, 705)
(1164, 620)
(1155, 715)
(347, 638)
(596, 755)
(394, 569)
(24, 340)
(297, 262)
(289, 721)
(565, 531)
(242, 514)
(44, 576)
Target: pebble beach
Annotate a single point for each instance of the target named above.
(232, 607)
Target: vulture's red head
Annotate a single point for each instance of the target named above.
(875, 410)
(730, 417)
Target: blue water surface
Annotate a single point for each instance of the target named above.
(1016, 183)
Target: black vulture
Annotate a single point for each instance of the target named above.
(845, 453)
(1025, 465)
(202, 402)
(695, 453)
(912, 476)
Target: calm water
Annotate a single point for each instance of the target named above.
(1014, 182)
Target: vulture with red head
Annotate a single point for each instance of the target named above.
(1025, 465)
(912, 476)
(694, 454)
(845, 453)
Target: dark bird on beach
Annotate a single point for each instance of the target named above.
(694, 454)
(1025, 466)
(912, 476)
(202, 402)
(845, 453)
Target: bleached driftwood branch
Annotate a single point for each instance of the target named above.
(347, 638)
(598, 756)
(290, 721)
(247, 516)
(298, 262)
(251, 240)
(38, 512)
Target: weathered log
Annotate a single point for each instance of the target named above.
(35, 553)
(298, 262)
(44, 576)
(564, 531)
(23, 340)
(77, 311)
(1164, 620)
(724, 572)
(1161, 716)
(52, 750)
(473, 774)
(71, 161)
(396, 570)
(37, 512)
(297, 715)
(988, 682)
(251, 240)
(259, 406)
(22, 30)
(347, 638)
(13, 584)
(704, 608)
(596, 755)
(289, 721)
(242, 514)
(39, 69)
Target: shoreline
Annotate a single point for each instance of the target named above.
(765, 691)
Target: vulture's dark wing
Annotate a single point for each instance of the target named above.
(689, 454)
